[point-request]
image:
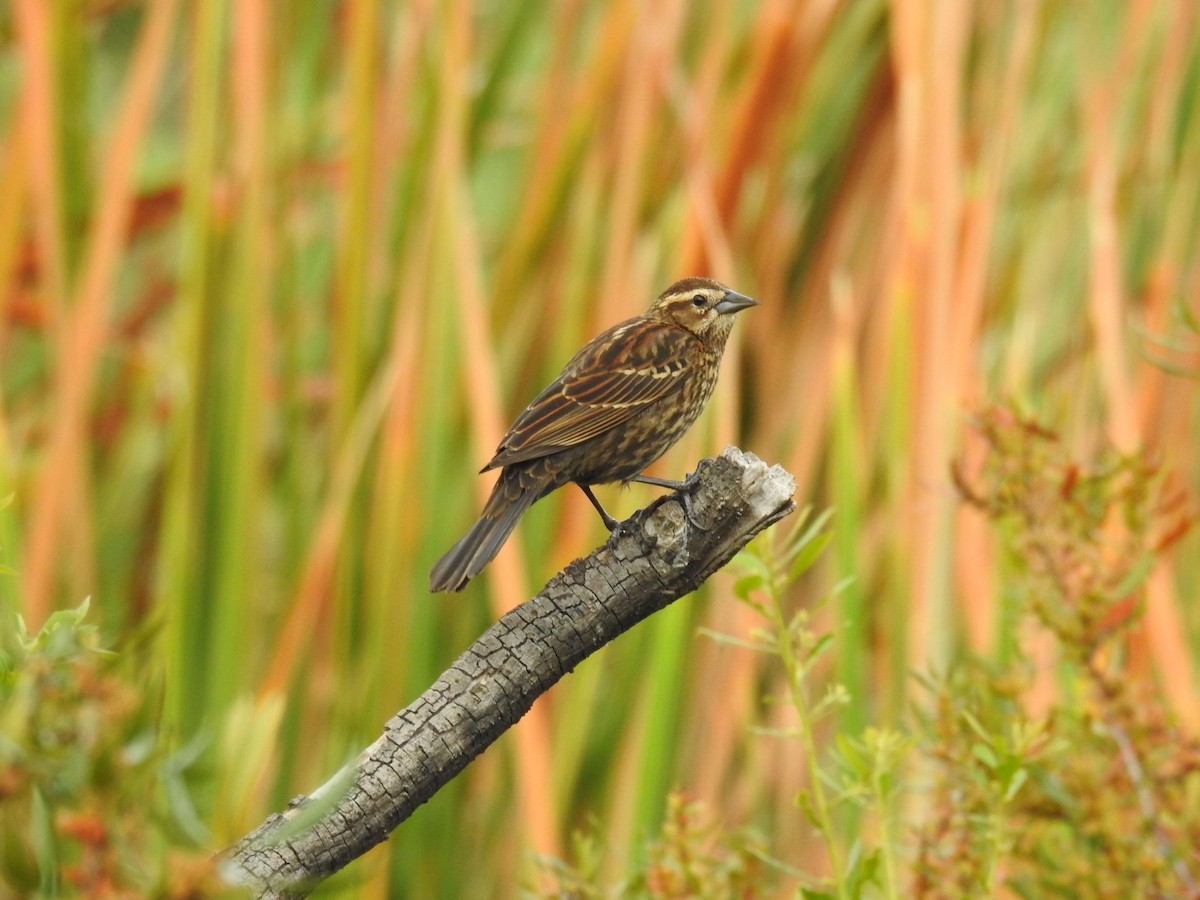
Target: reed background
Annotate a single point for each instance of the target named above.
(274, 276)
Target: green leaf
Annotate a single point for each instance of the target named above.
(823, 643)
(805, 802)
(184, 814)
(985, 755)
(853, 757)
(817, 526)
(1135, 577)
(758, 574)
(746, 585)
(807, 554)
(758, 646)
(45, 849)
(976, 726)
(1019, 777)
(863, 871)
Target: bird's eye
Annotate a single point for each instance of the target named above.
(699, 300)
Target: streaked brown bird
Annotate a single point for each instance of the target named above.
(616, 407)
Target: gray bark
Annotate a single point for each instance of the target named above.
(656, 556)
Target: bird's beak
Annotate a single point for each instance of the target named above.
(733, 302)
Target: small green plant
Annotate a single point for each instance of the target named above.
(90, 803)
(692, 857)
(984, 751)
(861, 774)
(1096, 797)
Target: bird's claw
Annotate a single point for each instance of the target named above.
(685, 492)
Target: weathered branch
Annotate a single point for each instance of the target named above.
(656, 556)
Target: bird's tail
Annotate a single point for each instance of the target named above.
(514, 493)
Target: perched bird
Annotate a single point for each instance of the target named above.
(616, 407)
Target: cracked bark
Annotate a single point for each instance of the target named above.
(655, 557)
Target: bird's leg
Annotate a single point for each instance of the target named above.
(609, 522)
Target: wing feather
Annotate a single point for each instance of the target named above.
(619, 373)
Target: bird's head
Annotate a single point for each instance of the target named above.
(702, 306)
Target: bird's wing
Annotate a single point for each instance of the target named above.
(609, 381)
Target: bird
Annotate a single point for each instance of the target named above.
(618, 405)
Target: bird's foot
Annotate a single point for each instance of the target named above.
(683, 488)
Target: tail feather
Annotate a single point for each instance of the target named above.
(512, 495)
